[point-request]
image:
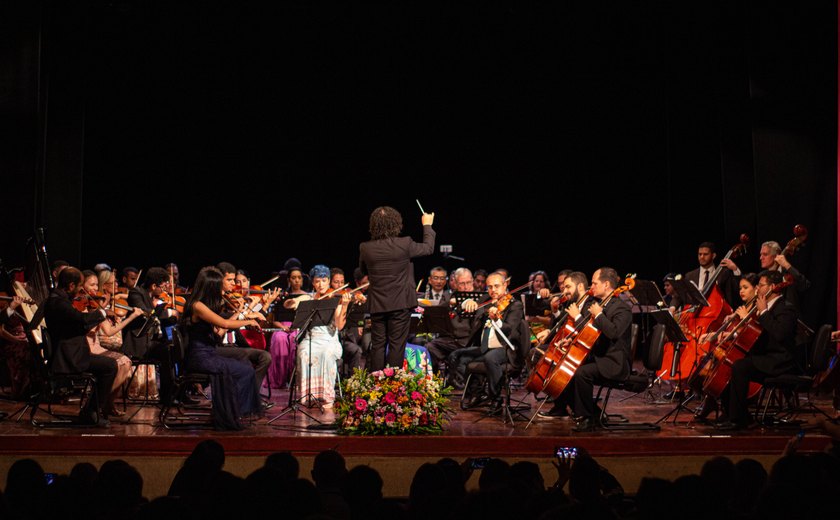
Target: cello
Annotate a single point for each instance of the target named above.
(695, 321)
(737, 344)
(578, 343)
(554, 351)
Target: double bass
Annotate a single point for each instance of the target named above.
(569, 354)
(695, 321)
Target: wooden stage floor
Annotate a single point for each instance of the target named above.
(676, 449)
(468, 434)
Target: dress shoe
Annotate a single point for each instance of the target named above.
(584, 425)
(561, 413)
(187, 400)
(729, 426)
(267, 404)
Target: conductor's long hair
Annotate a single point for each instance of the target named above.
(385, 222)
(207, 290)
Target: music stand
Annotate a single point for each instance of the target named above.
(310, 313)
(688, 293)
(645, 294)
(435, 320)
(676, 336)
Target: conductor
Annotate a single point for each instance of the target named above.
(386, 260)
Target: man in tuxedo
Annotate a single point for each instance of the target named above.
(727, 281)
(610, 355)
(771, 258)
(499, 334)
(574, 288)
(445, 344)
(144, 339)
(386, 260)
(68, 328)
(436, 290)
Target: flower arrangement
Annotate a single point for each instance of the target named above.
(393, 401)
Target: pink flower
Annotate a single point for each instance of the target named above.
(389, 418)
(389, 398)
(361, 405)
(416, 396)
(388, 371)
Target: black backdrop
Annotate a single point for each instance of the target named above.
(544, 135)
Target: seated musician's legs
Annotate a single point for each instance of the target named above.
(104, 369)
(493, 360)
(459, 360)
(583, 383)
(439, 350)
(743, 371)
(351, 353)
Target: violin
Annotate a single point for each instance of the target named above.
(178, 303)
(88, 302)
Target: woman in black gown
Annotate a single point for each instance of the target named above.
(232, 381)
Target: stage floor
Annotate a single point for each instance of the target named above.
(676, 449)
(468, 434)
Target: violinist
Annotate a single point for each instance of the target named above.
(351, 351)
(283, 341)
(233, 345)
(574, 290)
(542, 305)
(356, 333)
(144, 338)
(316, 361)
(610, 355)
(107, 329)
(444, 345)
(14, 347)
(110, 290)
(772, 354)
(68, 328)
(174, 273)
(496, 328)
(129, 277)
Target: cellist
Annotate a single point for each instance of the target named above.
(772, 354)
(610, 356)
(574, 289)
(726, 281)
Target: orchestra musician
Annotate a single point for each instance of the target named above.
(233, 380)
(726, 281)
(436, 290)
(144, 338)
(129, 277)
(108, 329)
(284, 341)
(386, 260)
(772, 354)
(172, 269)
(444, 345)
(542, 305)
(14, 347)
(610, 355)
(68, 328)
(771, 258)
(356, 333)
(350, 337)
(574, 288)
(233, 345)
(746, 290)
(321, 345)
(498, 330)
(480, 280)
